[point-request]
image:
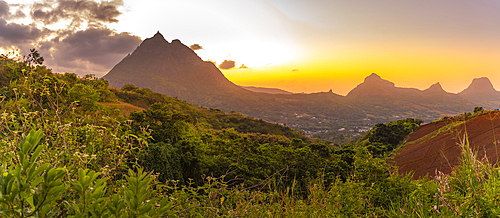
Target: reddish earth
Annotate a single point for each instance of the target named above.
(430, 149)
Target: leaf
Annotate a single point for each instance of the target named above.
(36, 181)
(56, 190)
(37, 171)
(30, 201)
(36, 153)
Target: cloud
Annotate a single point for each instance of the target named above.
(15, 33)
(18, 15)
(98, 49)
(5, 12)
(92, 49)
(4, 9)
(78, 11)
(295, 70)
(227, 65)
(195, 47)
(243, 67)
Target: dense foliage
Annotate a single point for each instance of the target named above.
(74, 147)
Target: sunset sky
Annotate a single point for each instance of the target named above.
(296, 45)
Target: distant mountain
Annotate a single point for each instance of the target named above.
(482, 93)
(266, 90)
(379, 97)
(175, 70)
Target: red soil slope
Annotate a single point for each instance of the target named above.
(435, 146)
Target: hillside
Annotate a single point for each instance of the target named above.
(143, 98)
(435, 146)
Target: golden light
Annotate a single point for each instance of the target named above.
(12, 52)
(253, 54)
(259, 54)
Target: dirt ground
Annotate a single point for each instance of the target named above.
(436, 146)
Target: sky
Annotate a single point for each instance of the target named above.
(295, 45)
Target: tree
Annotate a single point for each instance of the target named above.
(33, 58)
(478, 110)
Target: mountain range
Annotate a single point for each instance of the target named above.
(176, 70)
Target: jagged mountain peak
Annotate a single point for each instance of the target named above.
(157, 38)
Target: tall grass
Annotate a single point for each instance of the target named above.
(471, 190)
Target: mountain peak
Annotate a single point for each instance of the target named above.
(480, 85)
(156, 41)
(374, 78)
(436, 87)
(481, 92)
(482, 82)
(373, 86)
(158, 35)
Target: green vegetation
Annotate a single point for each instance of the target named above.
(74, 147)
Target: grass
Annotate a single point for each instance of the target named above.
(125, 108)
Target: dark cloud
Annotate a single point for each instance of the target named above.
(77, 11)
(4, 9)
(19, 14)
(5, 12)
(15, 33)
(94, 45)
(227, 65)
(243, 67)
(94, 50)
(195, 47)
